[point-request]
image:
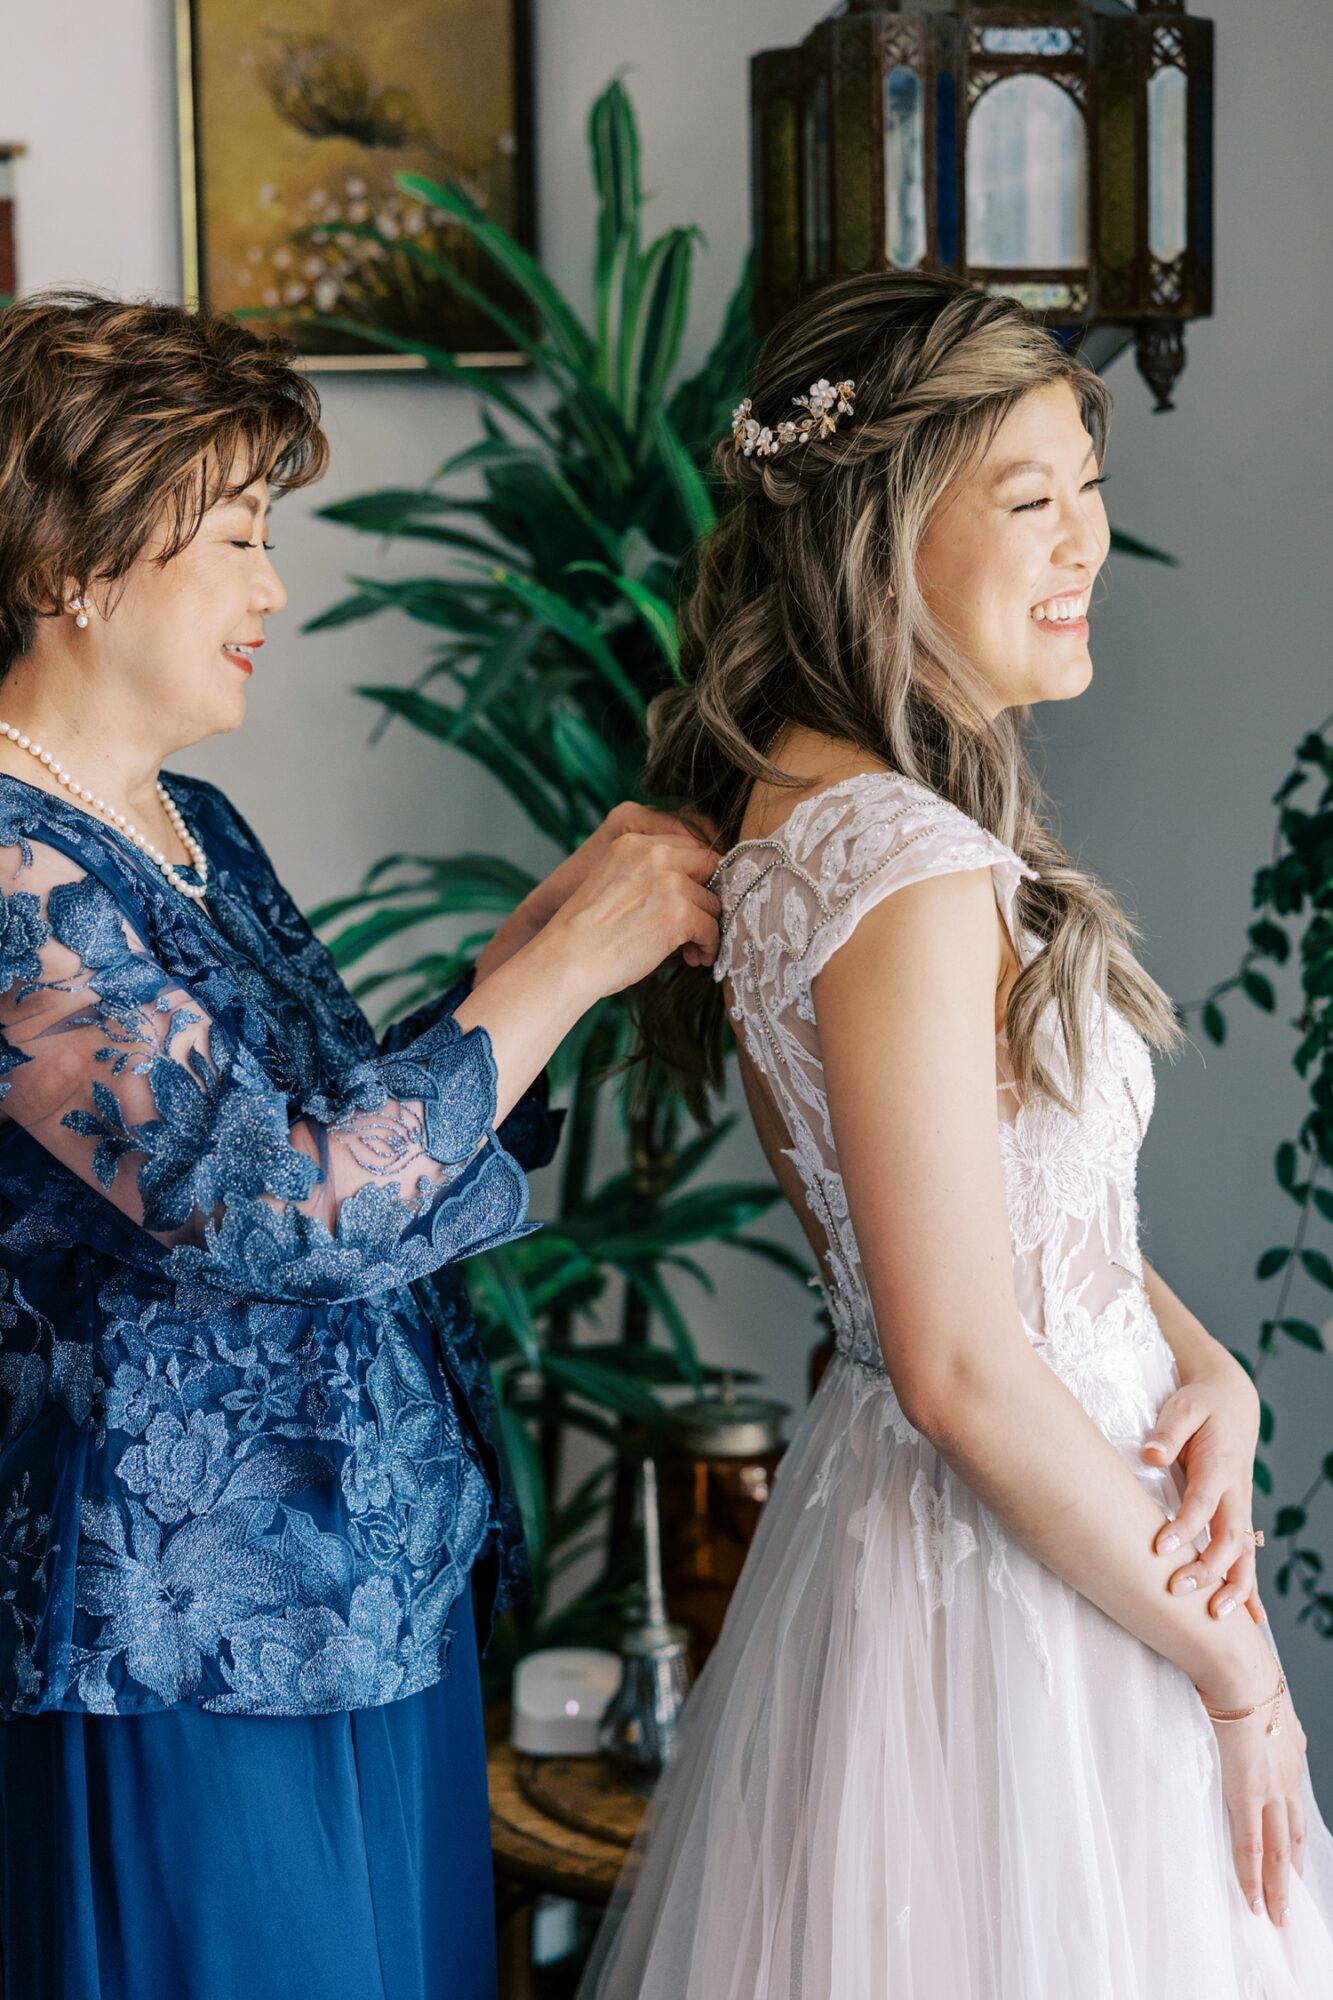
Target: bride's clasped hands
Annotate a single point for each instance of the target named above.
(1210, 1427)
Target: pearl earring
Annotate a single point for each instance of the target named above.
(77, 604)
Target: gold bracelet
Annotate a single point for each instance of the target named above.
(1239, 1714)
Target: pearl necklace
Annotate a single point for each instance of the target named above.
(196, 891)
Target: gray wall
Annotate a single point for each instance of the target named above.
(1162, 770)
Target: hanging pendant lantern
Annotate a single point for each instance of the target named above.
(1062, 155)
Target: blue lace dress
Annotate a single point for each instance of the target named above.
(248, 1458)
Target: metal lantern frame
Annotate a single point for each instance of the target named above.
(823, 179)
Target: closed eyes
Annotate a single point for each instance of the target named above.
(255, 545)
(1030, 506)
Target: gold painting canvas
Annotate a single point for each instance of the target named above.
(295, 120)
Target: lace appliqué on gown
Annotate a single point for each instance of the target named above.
(789, 900)
(939, 1539)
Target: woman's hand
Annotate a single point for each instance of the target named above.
(551, 895)
(1261, 1783)
(1211, 1424)
(642, 899)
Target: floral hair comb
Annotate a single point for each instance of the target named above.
(823, 404)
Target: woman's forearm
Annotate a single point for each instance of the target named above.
(1016, 1436)
(527, 1005)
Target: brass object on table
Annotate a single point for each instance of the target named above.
(714, 1480)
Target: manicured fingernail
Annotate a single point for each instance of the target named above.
(1263, 1615)
(1226, 1607)
(1171, 1542)
(1258, 1906)
(1184, 1583)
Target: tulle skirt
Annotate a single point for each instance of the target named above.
(919, 1766)
(188, 1856)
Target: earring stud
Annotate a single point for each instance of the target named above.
(77, 604)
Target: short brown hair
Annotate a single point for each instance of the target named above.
(116, 413)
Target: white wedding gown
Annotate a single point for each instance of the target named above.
(918, 1765)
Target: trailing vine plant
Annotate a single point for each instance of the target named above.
(1293, 894)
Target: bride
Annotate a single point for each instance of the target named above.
(994, 1714)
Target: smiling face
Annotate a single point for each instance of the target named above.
(1008, 560)
(170, 649)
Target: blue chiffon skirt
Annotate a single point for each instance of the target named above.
(186, 1856)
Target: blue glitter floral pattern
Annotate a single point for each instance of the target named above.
(248, 1442)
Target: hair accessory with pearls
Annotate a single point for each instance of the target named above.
(823, 404)
(196, 891)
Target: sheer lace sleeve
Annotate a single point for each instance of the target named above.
(531, 1131)
(120, 1072)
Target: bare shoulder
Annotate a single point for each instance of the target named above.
(816, 762)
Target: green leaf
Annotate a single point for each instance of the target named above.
(604, 1387)
(529, 1486)
(586, 1501)
(509, 762)
(586, 758)
(1214, 1022)
(658, 303)
(700, 408)
(559, 615)
(614, 278)
(706, 1215)
(1271, 939)
(1258, 989)
(365, 604)
(790, 1261)
(513, 262)
(496, 670)
(655, 612)
(548, 360)
(683, 474)
(1265, 1423)
(1130, 545)
(1263, 1478)
(654, 1364)
(1301, 1330)
(496, 1291)
(1323, 1201)
(1290, 1521)
(1272, 1261)
(1319, 1268)
(471, 881)
(613, 142)
(377, 929)
(648, 1283)
(1284, 1164)
(438, 360)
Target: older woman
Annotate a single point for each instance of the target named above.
(247, 1471)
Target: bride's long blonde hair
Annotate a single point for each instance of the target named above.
(807, 609)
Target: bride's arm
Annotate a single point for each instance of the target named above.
(905, 1011)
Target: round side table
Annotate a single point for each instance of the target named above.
(560, 1826)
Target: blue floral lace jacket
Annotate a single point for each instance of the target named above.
(248, 1453)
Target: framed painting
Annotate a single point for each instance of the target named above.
(294, 122)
